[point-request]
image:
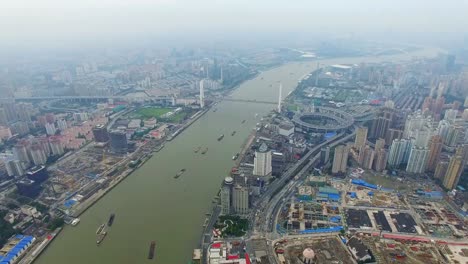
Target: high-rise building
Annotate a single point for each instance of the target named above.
(380, 160)
(379, 144)
(202, 94)
(340, 159)
(450, 115)
(225, 194)
(262, 161)
(422, 137)
(399, 152)
(50, 118)
(24, 111)
(56, 145)
(380, 126)
(21, 152)
(62, 124)
(20, 128)
(37, 154)
(50, 129)
(366, 157)
(361, 137)
(454, 169)
(100, 133)
(13, 166)
(325, 154)
(455, 136)
(415, 122)
(393, 134)
(5, 133)
(417, 159)
(435, 148)
(278, 161)
(280, 97)
(441, 169)
(240, 200)
(118, 141)
(3, 117)
(465, 115)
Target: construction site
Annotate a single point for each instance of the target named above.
(439, 221)
(413, 252)
(300, 217)
(329, 249)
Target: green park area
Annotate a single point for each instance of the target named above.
(150, 112)
(232, 226)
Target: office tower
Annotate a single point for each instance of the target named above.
(435, 148)
(37, 154)
(240, 200)
(366, 157)
(278, 161)
(417, 160)
(393, 134)
(454, 169)
(62, 124)
(21, 152)
(225, 194)
(325, 154)
(100, 133)
(50, 129)
(340, 159)
(361, 137)
(380, 160)
(262, 161)
(379, 144)
(118, 141)
(379, 127)
(202, 94)
(279, 97)
(399, 152)
(56, 145)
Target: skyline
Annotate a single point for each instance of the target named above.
(70, 24)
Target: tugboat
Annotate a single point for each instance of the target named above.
(179, 173)
(204, 151)
(233, 133)
(151, 250)
(197, 150)
(221, 137)
(111, 220)
(100, 228)
(235, 156)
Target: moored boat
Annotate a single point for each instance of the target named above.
(151, 250)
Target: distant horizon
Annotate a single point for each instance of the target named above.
(68, 25)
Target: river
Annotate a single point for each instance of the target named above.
(151, 205)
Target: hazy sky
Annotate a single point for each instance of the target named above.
(34, 22)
